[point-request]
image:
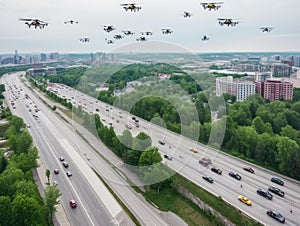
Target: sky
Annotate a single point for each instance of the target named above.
(282, 15)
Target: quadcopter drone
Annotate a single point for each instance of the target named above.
(266, 29)
(109, 41)
(186, 14)
(35, 23)
(108, 28)
(147, 33)
(142, 39)
(118, 37)
(127, 32)
(212, 5)
(84, 39)
(228, 22)
(131, 7)
(166, 31)
(71, 22)
(205, 38)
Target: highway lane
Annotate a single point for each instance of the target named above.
(145, 213)
(90, 210)
(187, 163)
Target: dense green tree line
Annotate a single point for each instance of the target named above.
(4, 70)
(20, 201)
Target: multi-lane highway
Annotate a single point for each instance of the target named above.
(54, 138)
(187, 164)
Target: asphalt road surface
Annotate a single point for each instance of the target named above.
(187, 164)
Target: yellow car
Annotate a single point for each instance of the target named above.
(245, 200)
(194, 150)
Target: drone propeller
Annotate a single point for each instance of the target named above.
(26, 19)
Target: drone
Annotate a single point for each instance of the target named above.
(212, 5)
(109, 41)
(166, 31)
(227, 22)
(128, 32)
(108, 28)
(84, 39)
(205, 38)
(142, 39)
(71, 22)
(266, 29)
(35, 22)
(186, 14)
(147, 33)
(118, 37)
(131, 7)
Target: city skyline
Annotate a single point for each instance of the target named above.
(154, 16)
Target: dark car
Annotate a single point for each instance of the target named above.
(216, 170)
(207, 178)
(56, 171)
(276, 191)
(205, 161)
(73, 203)
(277, 181)
(69, 174)
(167, 156)
(276, 215)
(161, 142)
(249, 169)
(235, 175)
(264, 193)
(61, 158)
(65, 164)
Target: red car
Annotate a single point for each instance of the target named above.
(73, 203)
(56, 171)
(249, 169)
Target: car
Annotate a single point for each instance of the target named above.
(55, 183)
(61, 158)
(264, 193)
(65, 164)
(162, 142)
(73, 203)
(205, 161)
(276, 191)
(249, 169)
(194, 150)
(69, 173)
(277, 181)
(235, 175)
(216, 170)
(209, 179)
(56, 171)
(167, 156)
(245, 200)
(276, 215)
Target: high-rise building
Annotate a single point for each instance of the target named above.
(281, 70)
(297, 61)
(274, 90)
(239, 88)
(43, 57)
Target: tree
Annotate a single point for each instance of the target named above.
(289, 132)
(288, 156)
(157, 176)
(6, 211)
(48, 175)
(141, 142)
(52, 194)
(150, 156)
(26, 211)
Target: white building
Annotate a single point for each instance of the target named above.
(240, 89)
